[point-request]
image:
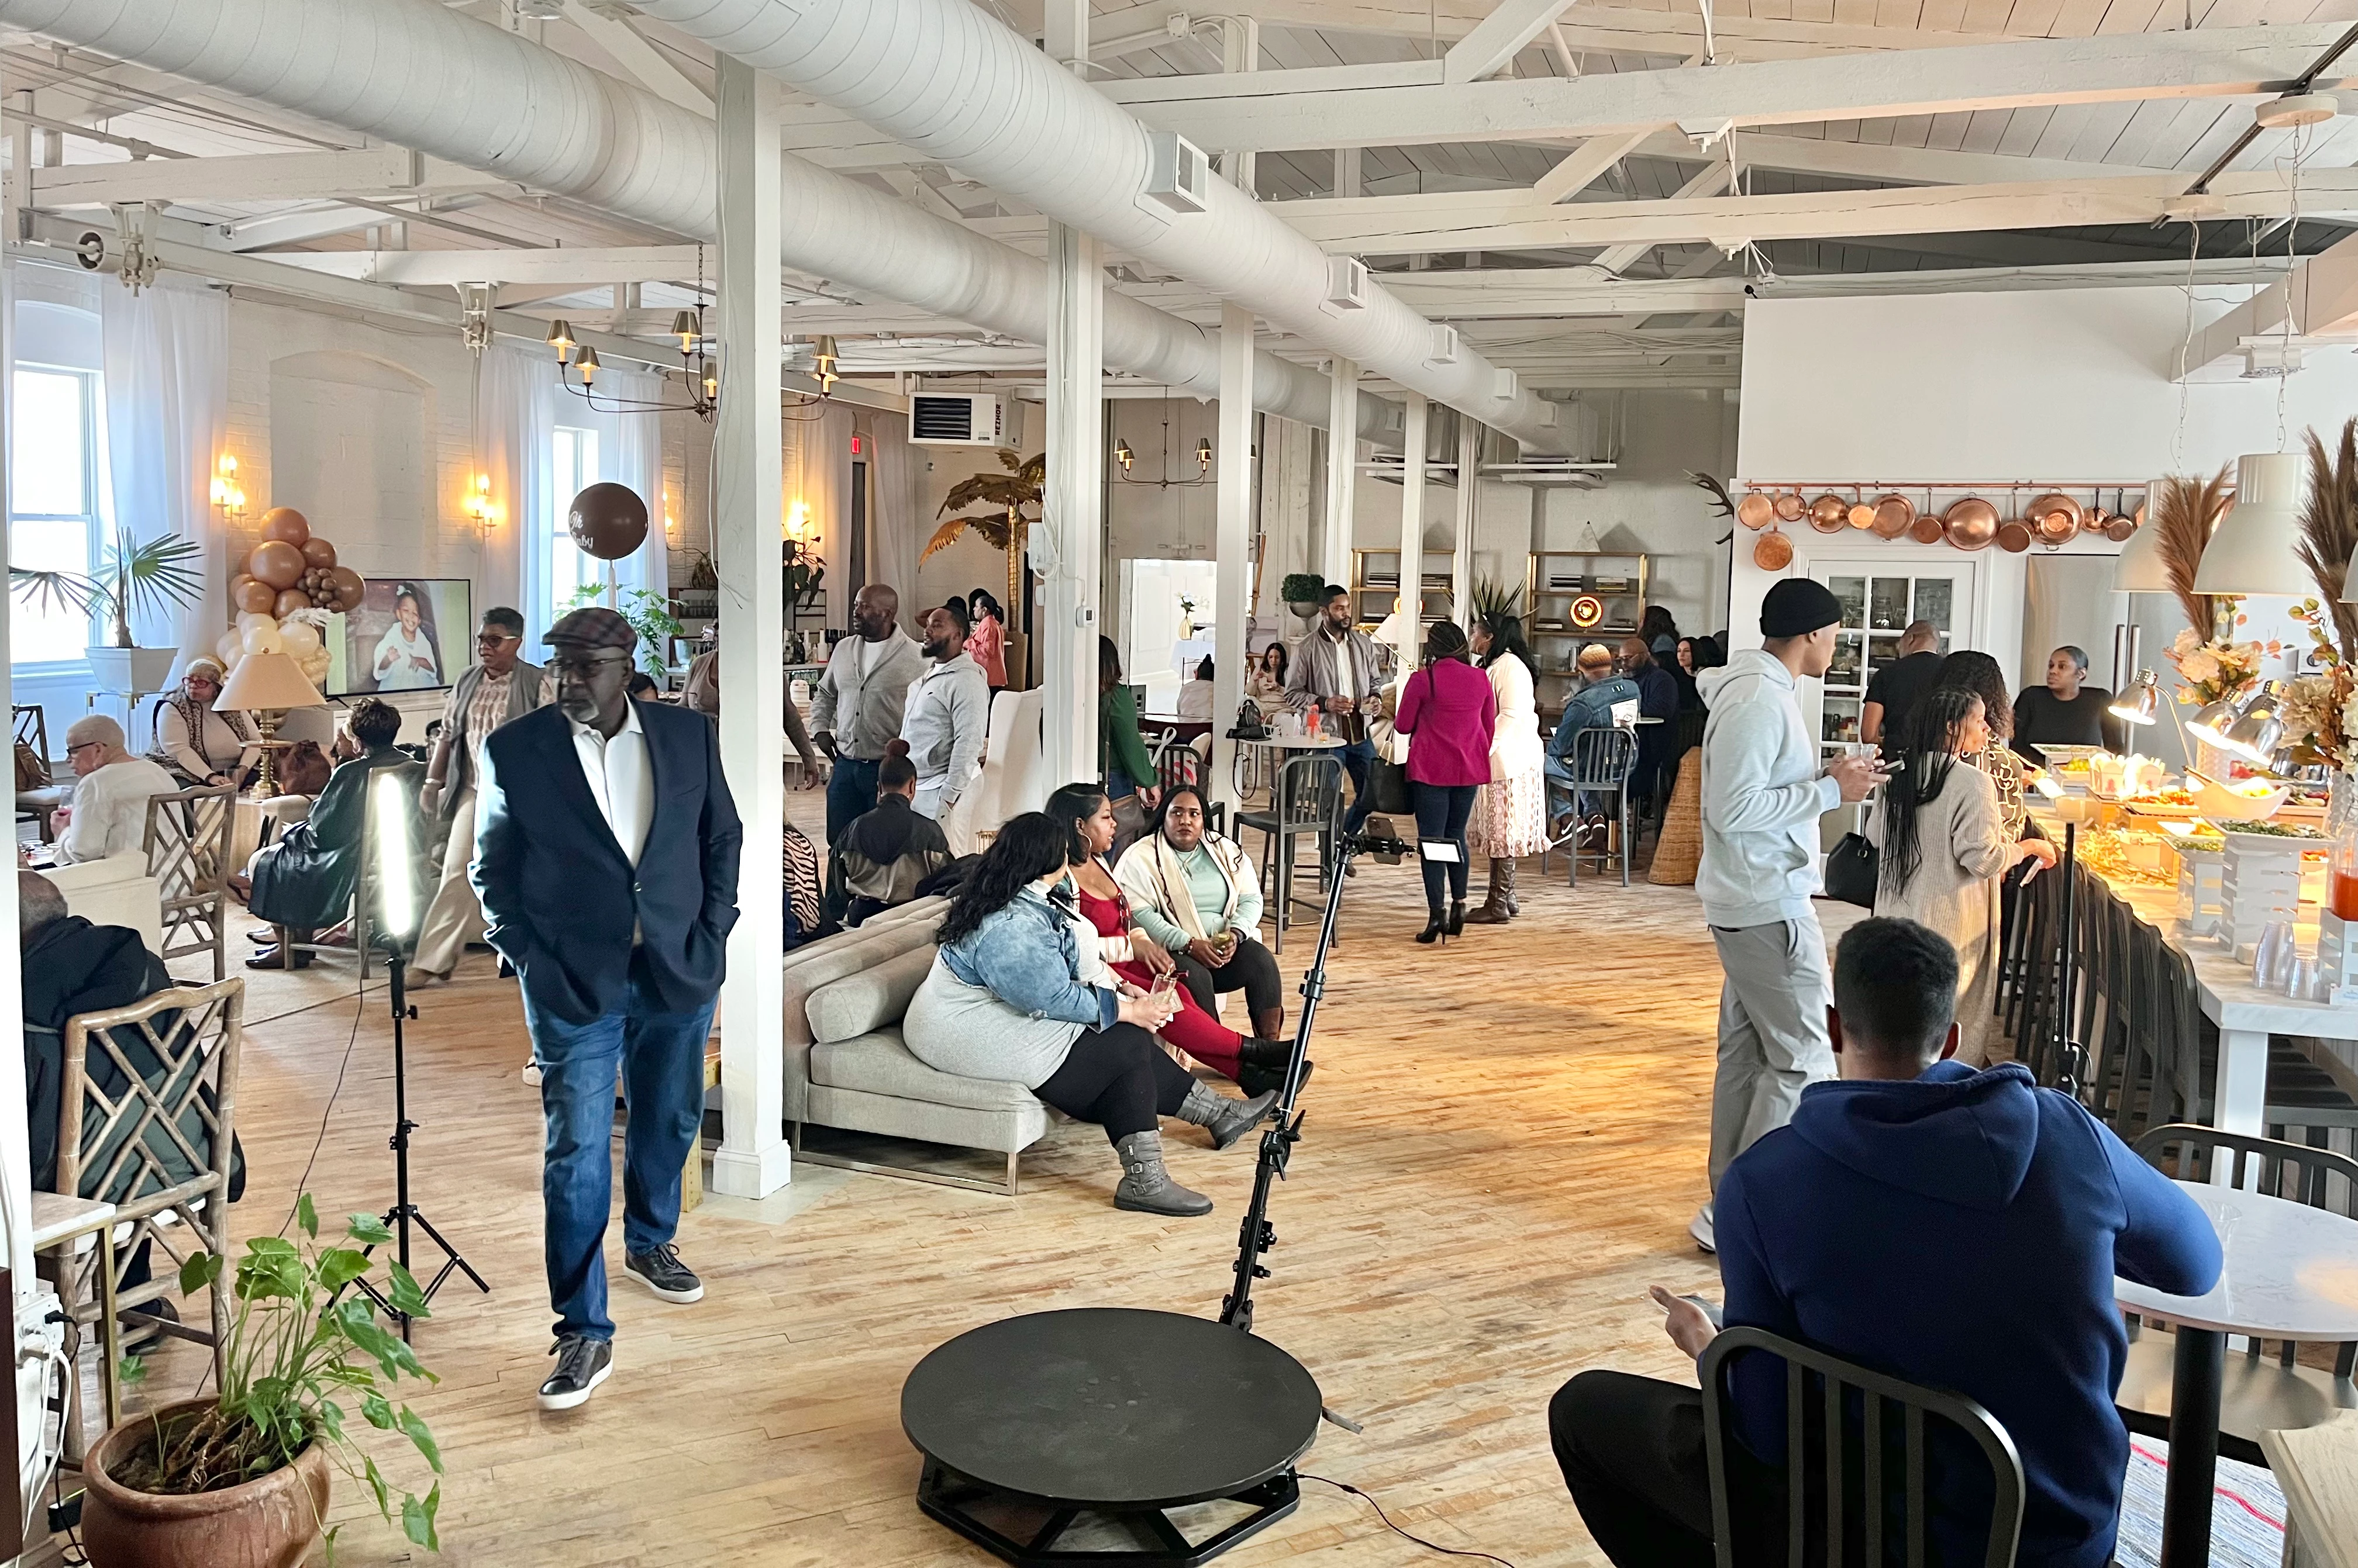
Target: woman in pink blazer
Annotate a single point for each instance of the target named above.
(1448, 711)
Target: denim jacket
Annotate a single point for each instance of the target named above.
(1591, 707)
(1027, 956)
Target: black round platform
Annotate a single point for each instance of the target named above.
(1111, 1407)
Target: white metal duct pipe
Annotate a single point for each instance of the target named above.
(415, 74)
(943, 77)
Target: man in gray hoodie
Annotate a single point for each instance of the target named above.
(1763, 792)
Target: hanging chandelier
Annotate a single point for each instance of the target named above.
(578, 368)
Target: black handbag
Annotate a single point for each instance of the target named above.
(1853, 869)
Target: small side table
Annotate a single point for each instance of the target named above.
(58, 1222)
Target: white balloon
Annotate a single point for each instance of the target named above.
(265, 639)
(249, 620)
(230, 646)
(299, 636)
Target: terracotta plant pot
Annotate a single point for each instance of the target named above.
(267, 1522)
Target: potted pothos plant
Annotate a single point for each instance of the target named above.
(242, 1477)
(133, 579)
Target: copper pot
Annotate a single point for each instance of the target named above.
(1893, 515)
(2014, 537)
(1925, 530)
(1755, 510)
(2055, 518)
(1970, 523)
(1772, 552)
(1788, 506)
(2119, 529)
(1861, 515)
(1829, 514)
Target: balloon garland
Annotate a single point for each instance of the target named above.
(290, 584)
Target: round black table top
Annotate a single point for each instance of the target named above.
(1111, 1406)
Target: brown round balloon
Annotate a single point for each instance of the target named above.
(254, 596)
(275, 562)
(346, 588)
(608, 521)
(285, 523)
(289, 602)
(318, 552)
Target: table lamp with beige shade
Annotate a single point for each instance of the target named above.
(267, 685)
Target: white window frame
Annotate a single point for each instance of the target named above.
(564, 485)
(93, 516)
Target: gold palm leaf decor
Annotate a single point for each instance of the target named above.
(2182, 520)
(2329, 530)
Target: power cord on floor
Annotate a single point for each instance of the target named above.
(1429, 1546)
(359, 1011)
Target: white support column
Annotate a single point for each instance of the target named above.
(1461, 561)
(1342, 469)
(749, 482)
(1240, 53)
(1410, 629)
(1232, 537)
(1284, 474)
(1068, 539)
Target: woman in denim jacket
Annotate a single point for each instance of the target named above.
(1017, 995)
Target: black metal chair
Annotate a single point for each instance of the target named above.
(1305, 800)
(2257, 1393)
(1857, 1454)
(1603, 758)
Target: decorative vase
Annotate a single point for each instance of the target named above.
(271, 1521)
(1187, 627)
(131, 671)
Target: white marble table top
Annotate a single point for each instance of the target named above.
(2291, 1271)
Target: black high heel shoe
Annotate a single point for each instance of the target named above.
(1432, 929)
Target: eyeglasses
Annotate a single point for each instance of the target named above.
(493, 639)
(586, 664)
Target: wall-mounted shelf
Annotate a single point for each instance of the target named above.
(1551, 581)
(1376, 592)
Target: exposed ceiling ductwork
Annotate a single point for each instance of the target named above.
(960, 87)
(415, 74)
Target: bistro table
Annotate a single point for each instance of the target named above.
(2291, 1272)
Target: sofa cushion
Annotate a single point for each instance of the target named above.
(868, 999)
(879, 1063)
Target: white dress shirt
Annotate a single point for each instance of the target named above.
(110, 810)
(619, 780)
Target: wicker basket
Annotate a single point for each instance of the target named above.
(1679, 851)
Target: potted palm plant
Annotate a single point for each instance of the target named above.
(134, 579)
(240, 1480)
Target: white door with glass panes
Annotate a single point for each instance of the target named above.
(1879, 601)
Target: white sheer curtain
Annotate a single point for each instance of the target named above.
(819, 474)
(631, 453)
(515, 432)
(899, 528)
(166, 389)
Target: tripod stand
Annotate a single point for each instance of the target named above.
(403, 1213)
(1256, 1235)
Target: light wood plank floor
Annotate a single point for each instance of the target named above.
(1505, 1142)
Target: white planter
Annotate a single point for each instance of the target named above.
(1303, 609)
(132, 669)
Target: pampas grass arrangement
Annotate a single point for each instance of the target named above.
(2329, 530)
(2182, 515)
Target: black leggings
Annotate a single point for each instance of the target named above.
(1440, 812)
(1252, 971)
(1118, 1078)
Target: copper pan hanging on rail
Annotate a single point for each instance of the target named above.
(2055, 518)
(1970, 523)
(1757, 510)
(2014, 537)
(1893, 515)
(1829, 514)
(1861, 515)
(1790, 507)
(1772, 552)
(1926, 529)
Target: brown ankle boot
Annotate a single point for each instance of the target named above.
(1494, 910)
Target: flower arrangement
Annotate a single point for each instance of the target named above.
(2320, 710)
(2210, 672)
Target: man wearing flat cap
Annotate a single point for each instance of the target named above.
(606, 861)
(1763, 792)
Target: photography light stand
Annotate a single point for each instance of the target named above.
(395, 935)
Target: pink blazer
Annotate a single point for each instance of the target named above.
(988, 643)
(1449, 712)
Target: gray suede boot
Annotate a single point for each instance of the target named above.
(1146, 1187)
(1226, 1120)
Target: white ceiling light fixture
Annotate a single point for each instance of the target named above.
(2301, 109)
(2139, 568)
(2252, 550)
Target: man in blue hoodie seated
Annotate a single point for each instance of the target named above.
(1957, 1229)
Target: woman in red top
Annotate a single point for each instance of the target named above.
(988, 638)
(1135, 956)
(1448, 711)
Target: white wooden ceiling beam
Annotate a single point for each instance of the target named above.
(1476, 222)
(1712, 181)
(1498, 38)
(1396, 107)
(641, 60)
(2323, 292)
(258, 177)
(1586, 164)
(580, 265)
(1901, 165)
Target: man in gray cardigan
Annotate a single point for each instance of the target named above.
(1763, 792)
(499, 687)
(1340, 670)
(856, 711)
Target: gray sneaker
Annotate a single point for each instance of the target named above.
(582, 1363)
(661, 1272)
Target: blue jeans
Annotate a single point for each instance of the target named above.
(1360, 762)
(850, 793)
(1440, 813)
(661, 1055)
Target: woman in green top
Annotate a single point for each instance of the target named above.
(1123, 759)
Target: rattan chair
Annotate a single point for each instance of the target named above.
(146, 1122)
(1603, 757)
(1878, 1426)
(188, 847)
(32, 728)
(2258, 1393)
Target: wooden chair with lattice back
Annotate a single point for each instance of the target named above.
(35, 804)
(188, 847)
(147, 1120)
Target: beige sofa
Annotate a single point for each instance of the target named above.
(846, 1067)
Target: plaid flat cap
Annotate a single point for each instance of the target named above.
(594, 627)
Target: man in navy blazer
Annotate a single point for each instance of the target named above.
(606, 861)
